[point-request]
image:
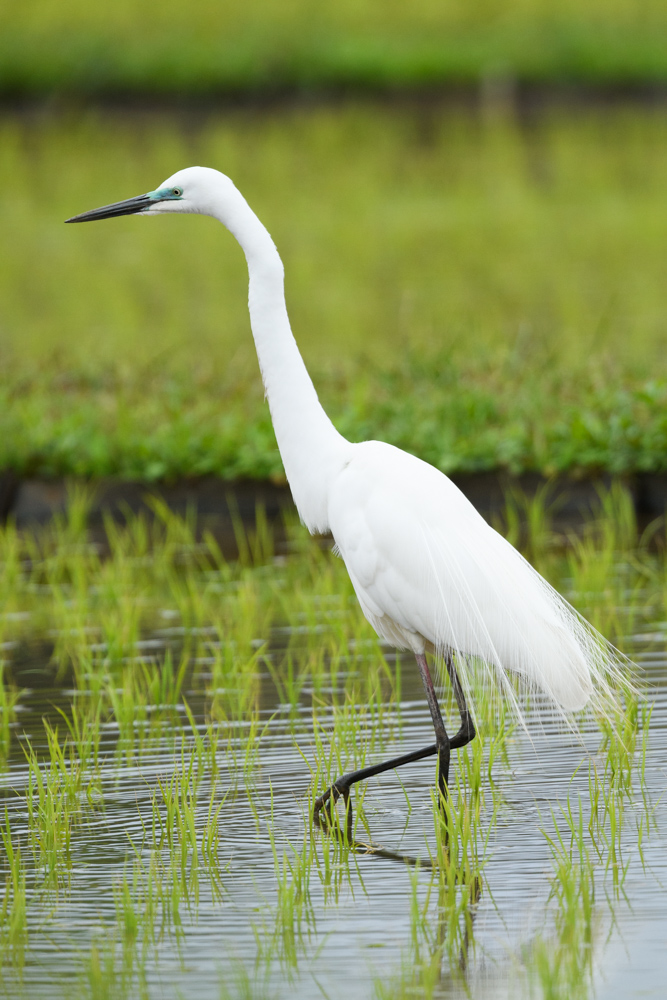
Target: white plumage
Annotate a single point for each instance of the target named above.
(429, 572)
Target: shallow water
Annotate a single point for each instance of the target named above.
(353, 926)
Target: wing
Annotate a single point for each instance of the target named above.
(426, 566)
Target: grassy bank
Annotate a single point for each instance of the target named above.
(482, 294)
(128, 48)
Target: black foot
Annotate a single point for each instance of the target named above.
(331, 797)
(344, 783)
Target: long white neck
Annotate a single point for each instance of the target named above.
(311, 448)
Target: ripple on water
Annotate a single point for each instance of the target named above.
(359, 915)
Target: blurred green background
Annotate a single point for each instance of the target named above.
(206, 47)
(482, 286)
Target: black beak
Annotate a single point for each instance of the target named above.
(129, 207)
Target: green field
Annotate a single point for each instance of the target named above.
(74, 47)
(485, 294)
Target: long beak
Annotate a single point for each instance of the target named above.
(129, 207)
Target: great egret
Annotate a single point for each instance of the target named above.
(429, 572)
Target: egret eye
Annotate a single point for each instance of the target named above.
(177, 192)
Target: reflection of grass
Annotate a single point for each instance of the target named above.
(111, 972)
(483, 294)
(73, 46)
(563, 963)
(335, 691)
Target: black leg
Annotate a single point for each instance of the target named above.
(342, 785)
(442, 747)
(467, 731)
(441, 737)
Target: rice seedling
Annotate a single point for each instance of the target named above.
(11, 580)
(145, 701)
(181, 845)
(562, 962)
(234, 684)
(204, 746)
(13, 907)
(52, 803)
(289, 680)
(646, 713)
(9, 696)
(82, 747)
(174, 813)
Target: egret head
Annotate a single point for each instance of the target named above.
(195, 189)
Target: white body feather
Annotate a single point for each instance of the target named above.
(429, 572)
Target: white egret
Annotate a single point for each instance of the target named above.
(429, 572)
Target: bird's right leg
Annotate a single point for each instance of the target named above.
(442, 741)
(467, 732)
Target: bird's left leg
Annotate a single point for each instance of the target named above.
(443, 746)
(342, 786)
